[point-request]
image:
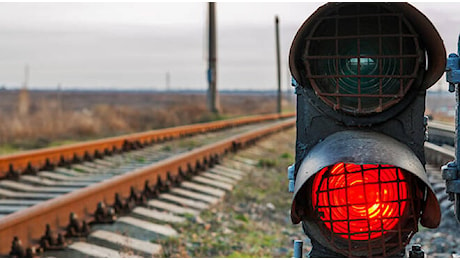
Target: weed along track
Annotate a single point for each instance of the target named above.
(112, 197)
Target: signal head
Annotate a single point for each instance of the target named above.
(362, 71)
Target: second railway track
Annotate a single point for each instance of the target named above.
(65, 200)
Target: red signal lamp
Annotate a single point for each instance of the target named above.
(360, 202)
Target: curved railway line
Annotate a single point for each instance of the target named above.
(52, 197)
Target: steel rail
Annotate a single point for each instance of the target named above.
(34, 160)
(441, 133)
(438, 155)
(29, 225)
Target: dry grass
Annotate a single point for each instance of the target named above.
(76, 116)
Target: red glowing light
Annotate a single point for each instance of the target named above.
(360, 202)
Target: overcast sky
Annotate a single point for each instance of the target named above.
(134, 45)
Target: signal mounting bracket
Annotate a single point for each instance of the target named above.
(450, 171)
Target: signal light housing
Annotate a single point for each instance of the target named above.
(362, 70)
(362, 193)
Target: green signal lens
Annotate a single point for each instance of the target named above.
(363, 64)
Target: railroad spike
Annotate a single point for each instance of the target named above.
(115, 150)
(63, 162)
(150, 191)
(205, 163)
(104, 214)
(108, 152)
(138, 145)
(235, 146)
(181, 175)
(17, 250)
(199, 167)
(13, 174)
(147, 191)
(48, 239)
(87, 157)
(215, 159)
(30, 169)
(171, 181)
(98, 155)
(191, 171)
(126, 146)
(76, 228)
(51, 241)
(76, 159)
(161, 185)
(211, 161)
(136, 197)
(48, 165)
(120, 205)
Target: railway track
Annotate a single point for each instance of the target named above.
(53, 194)
(441, 133)
(112, 206)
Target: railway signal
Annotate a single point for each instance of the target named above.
(361, 71)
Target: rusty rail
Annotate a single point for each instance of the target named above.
(29, 225)
(31, 161)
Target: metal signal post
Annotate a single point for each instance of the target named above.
(450, 172)
(361, 71)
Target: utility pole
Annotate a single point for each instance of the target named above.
(23, 106)
(213, 100)
(278, 63)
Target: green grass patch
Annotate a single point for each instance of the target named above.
(9, 149)
(241, 217)
(188, 143)
(79, 170)
(166, 148)
(267, 162)
(62, 142)
(287, 156)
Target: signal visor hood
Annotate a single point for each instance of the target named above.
(362, 147)
(430, 37)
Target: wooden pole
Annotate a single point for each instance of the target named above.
(213, 100)
(278, 63)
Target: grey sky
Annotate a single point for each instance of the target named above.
(121, 45)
